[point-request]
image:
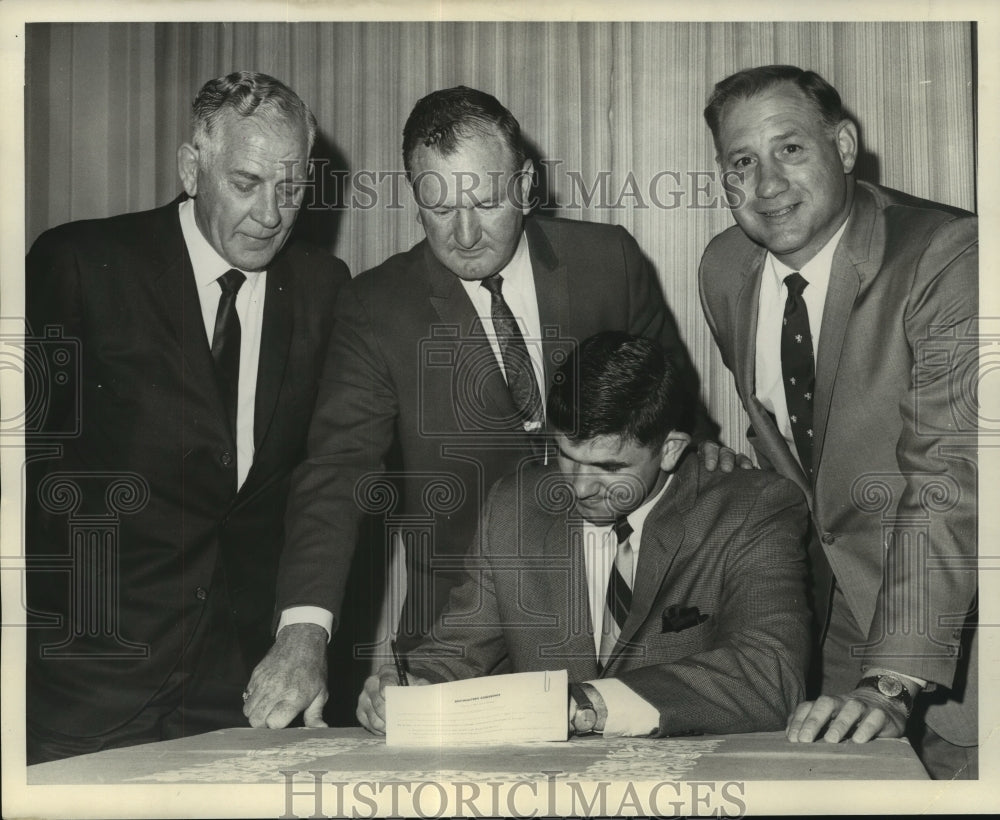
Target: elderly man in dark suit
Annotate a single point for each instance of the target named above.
(846, 312)
(446, 350)
(673, 596)
(201, 332)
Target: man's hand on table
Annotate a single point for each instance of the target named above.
(715, 456)
(371, 701)
(290, 679)
(868, 713)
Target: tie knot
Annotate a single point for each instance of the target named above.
(493, 284)
(231, 281)
(795, 283)
(622, 529)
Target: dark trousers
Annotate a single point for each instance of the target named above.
(202, 694)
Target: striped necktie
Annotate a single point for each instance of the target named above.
(619, 595)
(516, 361)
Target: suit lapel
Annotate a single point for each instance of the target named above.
(662, 536)
(474, 355)
(552, 292)
(276, 335)
(568, 597)
(178, 295)
(851, 264)
(747, 308)
(746, 319)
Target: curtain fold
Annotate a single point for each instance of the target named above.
(613, 110)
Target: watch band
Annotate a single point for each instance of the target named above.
(889, 687)
(583, 706)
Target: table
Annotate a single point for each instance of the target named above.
(255, 756)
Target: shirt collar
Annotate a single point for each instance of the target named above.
(205, 260)
(637, 518)
(816, 270)
(513, 273)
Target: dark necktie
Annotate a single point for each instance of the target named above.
(798, 371)
(618, 599)
(226, 342)
(516, 361)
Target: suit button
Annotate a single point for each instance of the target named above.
(226, 459)
(829, 538)
(201, 593)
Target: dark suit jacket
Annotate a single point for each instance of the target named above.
(729, 544)
(153, 454)
(895, 426)
(409, 364)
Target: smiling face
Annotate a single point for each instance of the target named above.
(795, 191)
(471, 203)
(612, 476)
(246, 183)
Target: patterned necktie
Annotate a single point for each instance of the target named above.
(226, 342)
(798, 370)
(516, 361)
(619, 596)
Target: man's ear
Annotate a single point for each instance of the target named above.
(672, 449)
(187, 168)
(846, 136)
(525, 179)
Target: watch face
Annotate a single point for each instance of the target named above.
(585, 720)
(890, 687)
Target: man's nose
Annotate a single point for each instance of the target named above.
(468, 229)
(266, 210)
(771, 180)
(584, 483)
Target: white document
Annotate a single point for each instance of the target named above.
(524, 706)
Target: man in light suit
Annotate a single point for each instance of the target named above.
(673, 596)
(423, 357)
(846, 312)
(188, 408)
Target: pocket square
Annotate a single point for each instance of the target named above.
(677, 618)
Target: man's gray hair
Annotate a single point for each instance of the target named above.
(247, 94)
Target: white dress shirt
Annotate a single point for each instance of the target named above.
(629, 714)
(208, 266)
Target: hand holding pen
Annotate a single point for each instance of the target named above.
(371, 701)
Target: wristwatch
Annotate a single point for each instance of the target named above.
(889, 687)
(585, 718)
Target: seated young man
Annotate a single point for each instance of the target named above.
(674, 597)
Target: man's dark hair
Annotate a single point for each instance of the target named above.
(445, 118)
(752, 81)
(616, 384)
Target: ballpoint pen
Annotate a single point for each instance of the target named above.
(400, 667)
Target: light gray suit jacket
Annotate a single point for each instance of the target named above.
(895, 422)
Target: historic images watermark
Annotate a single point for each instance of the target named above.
(566, 189)
(316, 794)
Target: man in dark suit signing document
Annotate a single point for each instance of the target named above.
(154, 527)
(673, 596)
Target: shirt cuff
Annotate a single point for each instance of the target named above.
(307, 615)
(629, 714)
(883, 670)
(921, 683)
